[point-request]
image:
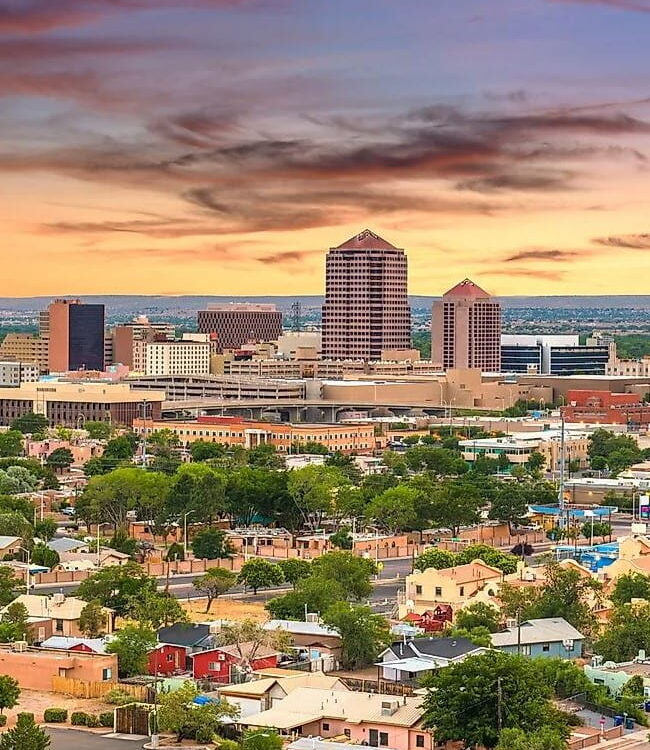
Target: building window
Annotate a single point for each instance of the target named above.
(347, 733)
(214, 666)
(546, 647)
(418, 589)
(419, 740)
(170, 657)
(525, 649)
(107, 673)
(438, 591)
(383, 739)
(326, 727)
(462, 591)
(59, 626)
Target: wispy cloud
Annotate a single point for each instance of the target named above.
(628, 241)
(541, 254)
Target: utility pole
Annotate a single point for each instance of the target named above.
(143, 442)
(499, 705)
(562, 459)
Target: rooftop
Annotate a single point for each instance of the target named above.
(467, 289)
(542, 630)
(366, 240)
(57, 606)
(301, 628)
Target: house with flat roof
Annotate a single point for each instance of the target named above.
(62, 611)
(546, 636)
(362, 718)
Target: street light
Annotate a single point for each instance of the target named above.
(29, 564)
(185, 515)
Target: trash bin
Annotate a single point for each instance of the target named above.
(647, 706)
(629, 723)
(618, 721)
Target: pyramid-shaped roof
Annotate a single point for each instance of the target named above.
(467, 289)
(366, 240)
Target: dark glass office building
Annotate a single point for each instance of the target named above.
(76, 336)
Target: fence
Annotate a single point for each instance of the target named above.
(88, 689)
(385, 687)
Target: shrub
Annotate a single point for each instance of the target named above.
(92, 720)
(55, 715)
(118, 697)
(204, 734)
(28, 714)
(79, 719)
(3, 720)
(106, 719)
(225, 744)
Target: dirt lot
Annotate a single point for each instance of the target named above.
(225, 609)
(36, 702)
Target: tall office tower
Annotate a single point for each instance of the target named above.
(76, 334)
(366, 305)
(239, 323)
(466, 329)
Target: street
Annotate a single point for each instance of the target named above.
(66, 739)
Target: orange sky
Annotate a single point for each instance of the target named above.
(220, 147)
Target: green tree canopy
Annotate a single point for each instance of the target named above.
(202, 450)
(93, 620)
(30, 424)
(479, 615)
(312, 489)
(155, 609)
(312, 594)
(98, 430)
(60, 459)
(116, 585)
(394, 509)
(9, 585)
(177, 713)
(9, 692)
(626, 633)
(630, 586)
(213, 583)
(352, 573)
(132, 644)
(294, 570)
(26, 735)
(11, 443)
(258, 573)
(211, 544)
(364, 634)
(43, 555)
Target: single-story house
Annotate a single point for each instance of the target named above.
(406, 661)
(192, 637)
(318, 640)
(545, 636)
(66, 544)
(225, 663)
(9, 545)
(167, 659)
(83, 645)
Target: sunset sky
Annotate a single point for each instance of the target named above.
(221, 146)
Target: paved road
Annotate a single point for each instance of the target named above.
(71, 739)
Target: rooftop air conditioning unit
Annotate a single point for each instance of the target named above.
(19, 646)
(388, 708)
(511, 623)
(312, 617)
(58, 598)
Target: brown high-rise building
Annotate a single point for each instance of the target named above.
(366, 306)
(466, 329)
(76, 335)
(238, 323)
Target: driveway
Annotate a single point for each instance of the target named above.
(72, 739)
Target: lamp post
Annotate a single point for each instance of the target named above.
(185, 515)
(29, 563)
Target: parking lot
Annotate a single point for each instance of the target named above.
(71, 739)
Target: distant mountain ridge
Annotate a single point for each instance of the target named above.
(122, 303)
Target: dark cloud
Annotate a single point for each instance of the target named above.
(290, 257)
(524, 180)
(162, 229)
(534, 253)
(526, 273)
(629, 241)
(34, 16)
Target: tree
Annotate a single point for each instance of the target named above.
(438, 461)
(346, 465)
(598, 528)
(248, 637)
(11, 443)
(311, 447)
(265, 456)
(255, 492)
(342, 539)
(259, 574)
(630, 586)
(364, 634)
(116, 585)
(490, 555)
(60, 459)
(201, 450)
(394, 509)
(312, 489)
(10, 504)
(14, 624)
(352, 573)
(294, 570)
(213, 583)
(261, 739)
(132, 644)
(455, 504)
(98, 430)
(313, 594)
(14, 524)
(509, 505)
(30, 424)
(92, 620)
(541, 739)
(9, 692)
(16, 479)
(435, 558)
(155, 609)
(9, 585)
(479, 635)
(211, 544)
(43, 555)
(465, 701)
(45, 529)
(627, 633)
(175, 551)
(26, 735)
(479, 615)
(536, 462)
(566, 593)
(179, 714)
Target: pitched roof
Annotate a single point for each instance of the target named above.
(541, 630)
(441, 648)
(64, 544)
(183, 634)
(8, 541)
(306, 705)
(366, 240)
(467, 288)
(69, 608)
(244, 650)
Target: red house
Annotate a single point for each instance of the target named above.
(167, 659)
(433, 620)
(223, 663)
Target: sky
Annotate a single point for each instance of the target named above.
(222, 146)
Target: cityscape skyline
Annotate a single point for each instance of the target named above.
(501, 146)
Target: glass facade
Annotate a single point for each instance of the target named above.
(86, 337)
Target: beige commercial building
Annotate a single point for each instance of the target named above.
(466, 329)
(72, 403)
(25, 347)
(177, 358)
(12, 374)
(130, 341)
(366, 305)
